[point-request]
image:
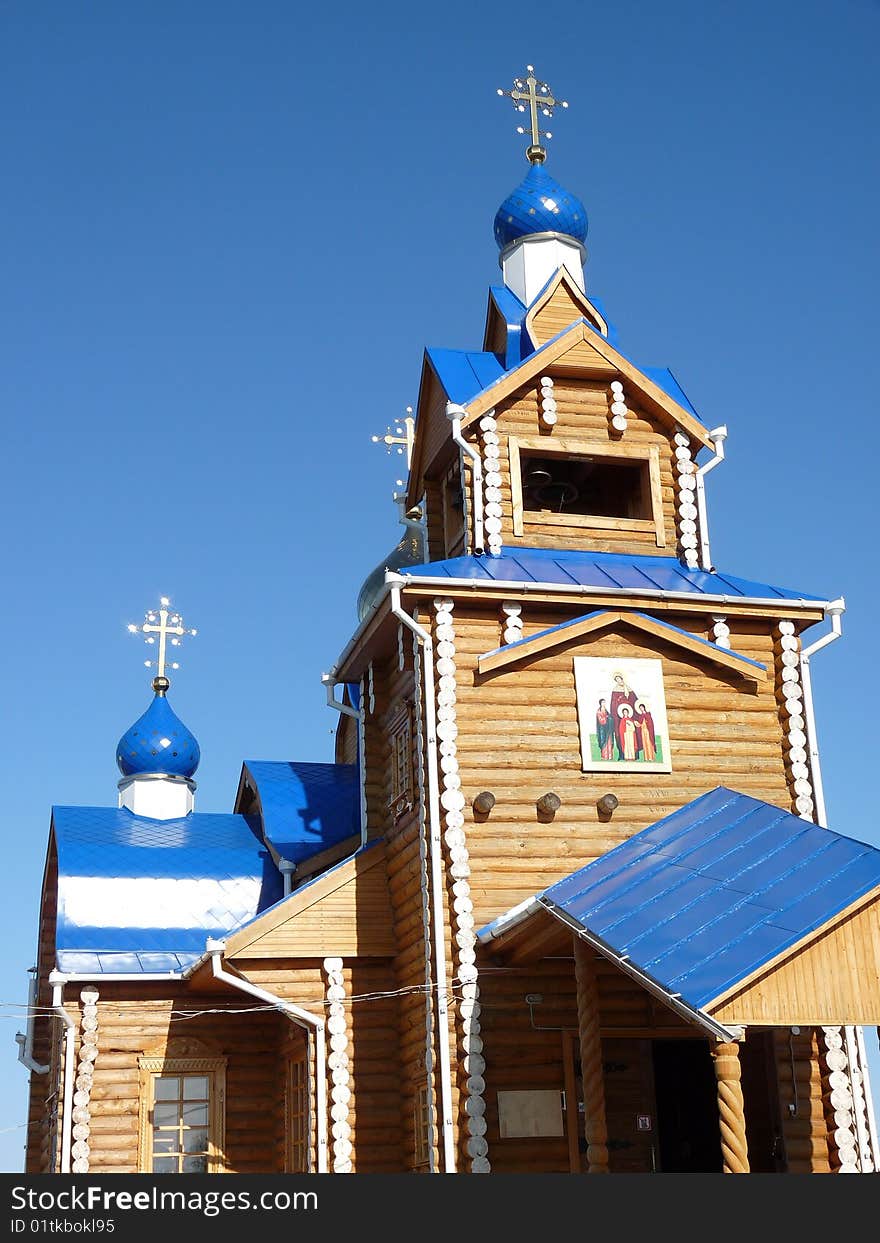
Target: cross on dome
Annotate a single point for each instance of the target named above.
(532, 95)
(167, 625)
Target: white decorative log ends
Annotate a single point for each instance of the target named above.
(720, 632)
(837, 1098)
(464, 941)
(511, 621)
(425, 893)
(491, 447)
(371, 696)
(791, 694)
(858, 1071)
(338, 1065)
(88, 1052)
(618, 408)
(362, 756)
(686, 507)
(548, 402)
(401, 655)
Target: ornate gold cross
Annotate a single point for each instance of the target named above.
(529, 93)
(401, 436)
(164, 623)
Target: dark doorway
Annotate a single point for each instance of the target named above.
(763, 1123)
(688, 1135)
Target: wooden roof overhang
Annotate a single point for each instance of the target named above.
(829, 978)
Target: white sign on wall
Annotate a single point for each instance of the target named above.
(622, 714)
(538, 1112)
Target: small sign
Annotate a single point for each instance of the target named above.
(643, 1122)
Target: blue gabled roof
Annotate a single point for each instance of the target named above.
(712, 893)
(142, 895)
(464, 373)
(508, 648)
(573, 567)
(306, 808)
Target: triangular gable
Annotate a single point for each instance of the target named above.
(718, 906)
(590, 623)
(600, 358)
(346, 911)
(559, 304)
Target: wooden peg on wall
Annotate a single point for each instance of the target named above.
(548, 804)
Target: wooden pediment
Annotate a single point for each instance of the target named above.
(345, 912)
(558, 636)
(561, 303)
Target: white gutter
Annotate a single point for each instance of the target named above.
(503, 924)
(835, 611)
(359, 714)
(718, 437)
(25, 1041)
(303, 1018)
(455, 413)
(57, 981)
(395, 583)
(869, 1096)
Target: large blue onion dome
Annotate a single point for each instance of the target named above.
(539, 204)
(158, 742)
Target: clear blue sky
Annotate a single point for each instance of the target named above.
(228, 231)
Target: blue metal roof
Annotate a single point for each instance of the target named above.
(712, 893)
(306, 807)
(656, 621)
(567, 568)
(136, 894)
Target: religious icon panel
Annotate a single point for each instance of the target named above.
(622, 714)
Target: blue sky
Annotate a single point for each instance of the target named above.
(229, 230)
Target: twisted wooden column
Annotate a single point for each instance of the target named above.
(731, 1113)
(591, 1058)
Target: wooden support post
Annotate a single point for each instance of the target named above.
(731, 1113)
(591, 1058)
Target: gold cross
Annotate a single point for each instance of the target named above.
(162, 622)
(530, 93)
(402, 435)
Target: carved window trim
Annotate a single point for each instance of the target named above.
(400, 742)
(152, 1068)
(525, 522)
(422, 1126)
(297, 1116)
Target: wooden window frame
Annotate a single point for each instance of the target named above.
(422, 1126)
(648, 455)
(297, 1081)
(402, 784)
(214, 1068)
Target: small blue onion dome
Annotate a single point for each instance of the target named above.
(539, 204)
(158, 742)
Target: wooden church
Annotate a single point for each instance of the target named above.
(564, 901)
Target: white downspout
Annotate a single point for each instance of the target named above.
(359, 714)
(57, 982)
(303, 1018)
(25, 1041)
(454, 413)
(835, 611)
(436, 869)
(718, 437)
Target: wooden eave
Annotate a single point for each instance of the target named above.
(548, 640)
(608, 360)
(355, 932)
(564, 280)
(484, 589)
(372, 639)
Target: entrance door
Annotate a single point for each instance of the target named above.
(688, 1135)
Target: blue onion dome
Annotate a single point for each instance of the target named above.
(539, 204)
(409, 551)
(158, 742)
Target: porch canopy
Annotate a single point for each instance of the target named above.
(730, 910)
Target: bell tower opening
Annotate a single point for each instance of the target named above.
(586, 485)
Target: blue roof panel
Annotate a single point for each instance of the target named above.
(306, 808)
(716, 890)
(136, 894)
(603, 570)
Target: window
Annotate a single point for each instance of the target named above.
(422, 1121)
(297, 1117)
(559, 483)
(400, 735)
(182, 1115)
